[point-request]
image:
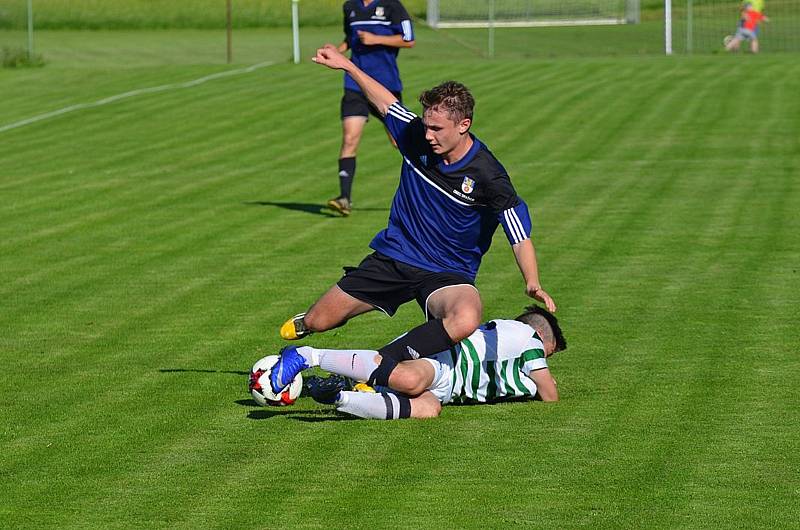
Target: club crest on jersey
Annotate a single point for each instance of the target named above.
(424, 159)
(379, 11)
(467, 185)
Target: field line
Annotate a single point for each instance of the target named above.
(133, 93)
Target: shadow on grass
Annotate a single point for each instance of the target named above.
(202, 371)
(316, 209)
(308, 416)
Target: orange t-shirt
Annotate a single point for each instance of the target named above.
(752, 18)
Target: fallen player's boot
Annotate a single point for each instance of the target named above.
(363, 387)
(325, 390)
(295, 328)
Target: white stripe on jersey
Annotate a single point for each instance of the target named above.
(421, 174)
(515, 225)
(407, 33)
(402, 117)
(371, 23)
(402, 111)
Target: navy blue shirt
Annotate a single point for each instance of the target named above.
(443, 216)
(381, 17)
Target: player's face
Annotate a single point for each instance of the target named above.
(442, 132)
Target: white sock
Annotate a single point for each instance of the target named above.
(383, 406)
(311, 355)
(355, 364)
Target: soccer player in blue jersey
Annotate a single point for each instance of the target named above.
(375, 30)
(452, 195)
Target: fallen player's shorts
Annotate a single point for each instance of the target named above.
(442, 386)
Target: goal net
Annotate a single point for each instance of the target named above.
(702, 26)
(530, 13)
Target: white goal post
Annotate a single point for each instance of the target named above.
(530, 13)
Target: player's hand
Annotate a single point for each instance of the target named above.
(331, 57)
(536, 292)
(367, 38)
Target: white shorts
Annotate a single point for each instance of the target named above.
(442, 386)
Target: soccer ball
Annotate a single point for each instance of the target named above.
(727, 40)
(261, 389)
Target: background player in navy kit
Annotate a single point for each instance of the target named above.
(375, 30)
(452, 195)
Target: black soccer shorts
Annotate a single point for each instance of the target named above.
(356, 104)
(386, 283)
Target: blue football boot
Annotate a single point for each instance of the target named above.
(326, 390)
(286, 369)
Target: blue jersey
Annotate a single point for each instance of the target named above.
(443, 216)
(381, 17)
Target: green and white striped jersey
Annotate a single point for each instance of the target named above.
(494, 362)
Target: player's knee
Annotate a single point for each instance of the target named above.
(406, 380)
(463, 324)
(426, 407)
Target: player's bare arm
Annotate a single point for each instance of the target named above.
(380, 97)
(395, 41)
(545, 384)
(525, 254)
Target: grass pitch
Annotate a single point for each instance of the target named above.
(151, 246)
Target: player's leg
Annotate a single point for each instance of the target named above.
(453, 307)
(754, 45)
(459, 307)
(354, 114)
(388, 406)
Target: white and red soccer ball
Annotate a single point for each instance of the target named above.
(261, 389)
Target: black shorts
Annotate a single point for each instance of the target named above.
(386, 283)
(356, 104)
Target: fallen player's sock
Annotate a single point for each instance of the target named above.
(381, 406)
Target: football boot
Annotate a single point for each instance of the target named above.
(295, 328)
(289, 364)
(341, 205)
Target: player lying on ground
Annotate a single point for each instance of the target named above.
(503, 359)
(453, 194)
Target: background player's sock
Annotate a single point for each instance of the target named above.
(355, 364)
(347, 172)
(425, 340)
(383, 406)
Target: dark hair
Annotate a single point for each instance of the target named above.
(534, 315)
(451, 96)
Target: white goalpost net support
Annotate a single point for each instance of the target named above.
(530, 13)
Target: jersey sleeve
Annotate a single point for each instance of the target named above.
(533, 357)
(407, 130)
(401, 22)
(516, 222)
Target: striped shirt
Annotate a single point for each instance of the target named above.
(494, 363)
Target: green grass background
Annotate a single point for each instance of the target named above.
(150, 248)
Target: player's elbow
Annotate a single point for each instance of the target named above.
(548, 395)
